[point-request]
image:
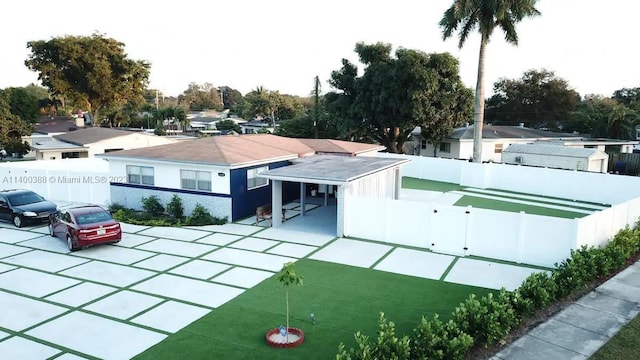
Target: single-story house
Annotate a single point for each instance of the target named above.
(495, 138)
(556, 156)
(224, 173)
(89, 141)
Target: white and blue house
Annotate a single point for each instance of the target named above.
(221, 172)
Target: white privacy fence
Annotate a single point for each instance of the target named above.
(518, 237)
(83, 180)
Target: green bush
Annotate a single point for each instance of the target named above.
(175, 208)
(201, 216)
(488, 319)
(485, 321)
(115, 207)
(387, 345)
(435, 340)
(152, 205)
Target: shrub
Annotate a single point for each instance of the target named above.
(488, 319)
(433, 339)
(152, 205)
(537, 292)
(175, 208)
(387, 345)
(115, 207)
(200, 216)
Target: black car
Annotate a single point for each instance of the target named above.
(21, 206)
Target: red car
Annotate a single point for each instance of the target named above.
(84, 226)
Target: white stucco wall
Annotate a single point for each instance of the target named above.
(167, 175)
(133, 141)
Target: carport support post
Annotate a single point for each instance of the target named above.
(276, 203)
(303, 197)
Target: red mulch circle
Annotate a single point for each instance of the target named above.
(290, 344)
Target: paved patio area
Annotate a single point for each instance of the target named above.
(158, 280)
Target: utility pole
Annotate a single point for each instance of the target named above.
(316, 105)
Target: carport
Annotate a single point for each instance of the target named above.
(355, 176)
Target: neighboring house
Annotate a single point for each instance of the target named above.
(496, 138)
(256, 127)
(219, 172)
(556, 156)
(90, 141)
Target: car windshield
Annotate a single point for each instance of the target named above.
(91, 218)
(24, 198)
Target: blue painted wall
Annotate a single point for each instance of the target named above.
(246, 201)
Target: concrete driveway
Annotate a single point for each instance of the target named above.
(115, 301)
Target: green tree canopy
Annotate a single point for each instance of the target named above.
(394, 95)
(539, 99)
(90, 69)
(25, 104)
(12, 127)
(228, 125)
(485, 16)
(600, 116)
(230, 97)
(201, 97)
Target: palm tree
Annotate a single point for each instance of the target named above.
(484, 15)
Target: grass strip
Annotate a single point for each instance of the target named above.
(491, 204)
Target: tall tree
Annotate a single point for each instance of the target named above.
(230, 97)
(539, 99)
(201, 97)
(394, 95)
(485, 16)
(24, 104)
(92, 69)
(12, 127)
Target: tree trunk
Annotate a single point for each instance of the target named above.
(478, 108)
(287, 328)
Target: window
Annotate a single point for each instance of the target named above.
(423, 144)
(140, 175)
(497, 148)
(253, 181)
(445, 147)
(195, 180)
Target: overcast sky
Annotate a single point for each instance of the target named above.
(283, 44)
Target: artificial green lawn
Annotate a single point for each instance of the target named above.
(491, 204)
(623, 345)
(422, 184)
(344, 300)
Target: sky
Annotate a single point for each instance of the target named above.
(283, 44)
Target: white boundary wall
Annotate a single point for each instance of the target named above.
(84, 180)
(517, 237)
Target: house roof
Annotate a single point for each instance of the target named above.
(553, 150)
(241, 150)
(331, 169)
(49, 143)
(91, 135)
(55, 124)
(508, 132)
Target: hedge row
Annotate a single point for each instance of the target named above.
(487, 320)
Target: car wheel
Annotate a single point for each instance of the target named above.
(17, 220)
(70, 244)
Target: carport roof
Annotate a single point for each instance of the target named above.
(332, 170)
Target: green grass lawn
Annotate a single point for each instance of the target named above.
(422, 184)
(624, 345)
(344, 299)
(491, 204)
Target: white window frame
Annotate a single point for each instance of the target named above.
(143, 173)
(201, 180)
(255, 182)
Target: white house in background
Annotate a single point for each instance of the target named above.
(459, 145)
(90, 141)
(558, 157)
